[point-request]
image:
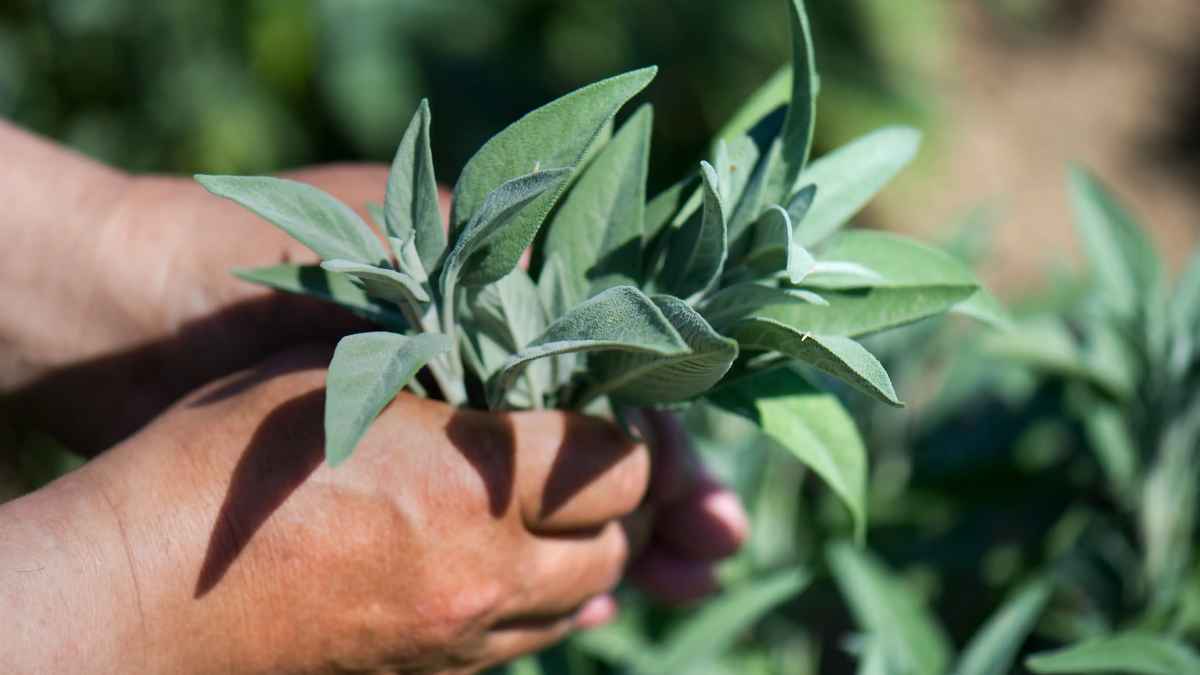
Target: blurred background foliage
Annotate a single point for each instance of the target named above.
(994, 475)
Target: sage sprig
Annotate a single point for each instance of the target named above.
(701, 293)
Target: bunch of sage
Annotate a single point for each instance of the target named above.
(722, 288)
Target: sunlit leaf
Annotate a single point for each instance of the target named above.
(1127, 653)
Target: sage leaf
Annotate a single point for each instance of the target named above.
(620, 319)
(802, 110)
(773, 251)
(407, 258)
(386, 284)
(1132, 653)
(662, 210)
(753, 200)
(411, 202)
(711, 630)
(314, 218)
(642, 379)
(764, 101)
(734, 162)
(725, 307)
(869, 259)
(555, 136)
(367, 371)
(313, 281)
(697, 250)
(559, 293)
(511, 313)
(850, 176)
(840, 357)
(1124, 264)
(470, 262)
(855, 313)
(993, 650)
(811, 424)
(985, 308)
(887, 607)
(598, 227)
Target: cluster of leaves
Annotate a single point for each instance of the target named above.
(702, 292)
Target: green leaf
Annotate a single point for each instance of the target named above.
(559, 290)
(1130, 653)
(1109, 436)
(663, 208)
(697, 250)
(1123, 261)
(734, 162)
(366, 373)
(753, 200)
(725, 307)
(710, 631)
(854, 313)
(773, 251)
(386, 284)
(511, 314)
(471, 262)
(317, 220)
(811, 424)
(893, 261)
(554, 136)
(850, 176)
(620, 319)
(994, 648)
(1047, 344)
(840, 357)
(985, 308)
(640, 379)
(802, 111)
(887, 607)
(411, 204)
(599, 225)
(313, 281)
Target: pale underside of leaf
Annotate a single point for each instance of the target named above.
(313, 281)
(386, 284)
(314, 218)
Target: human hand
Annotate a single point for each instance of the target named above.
(215, 540)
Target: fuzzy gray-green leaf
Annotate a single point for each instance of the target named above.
(471, 262)
(313, 281)
(598, 228)
(397, 288)
(772, 250)
(554, 136)
(1130, 653)
(802, 110)
(619, 319)
(838, 356)
(850, 176)
(697, 250)
(739, 301)
(314, 218)
(367, 371)
(854, 313)
(411, 202)
(645, 379)
(812, 425)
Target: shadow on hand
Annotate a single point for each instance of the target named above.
(587, 449)
(285, 450)
(91, 405)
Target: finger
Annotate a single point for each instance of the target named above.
(672, 579)
(510, 641)
(676, 466)
(566, 571)
(576, 472)
(708, 524)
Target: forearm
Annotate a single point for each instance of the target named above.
(65, 589)
(53, 225)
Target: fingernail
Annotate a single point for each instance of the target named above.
(726, 508)
(597, 612)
